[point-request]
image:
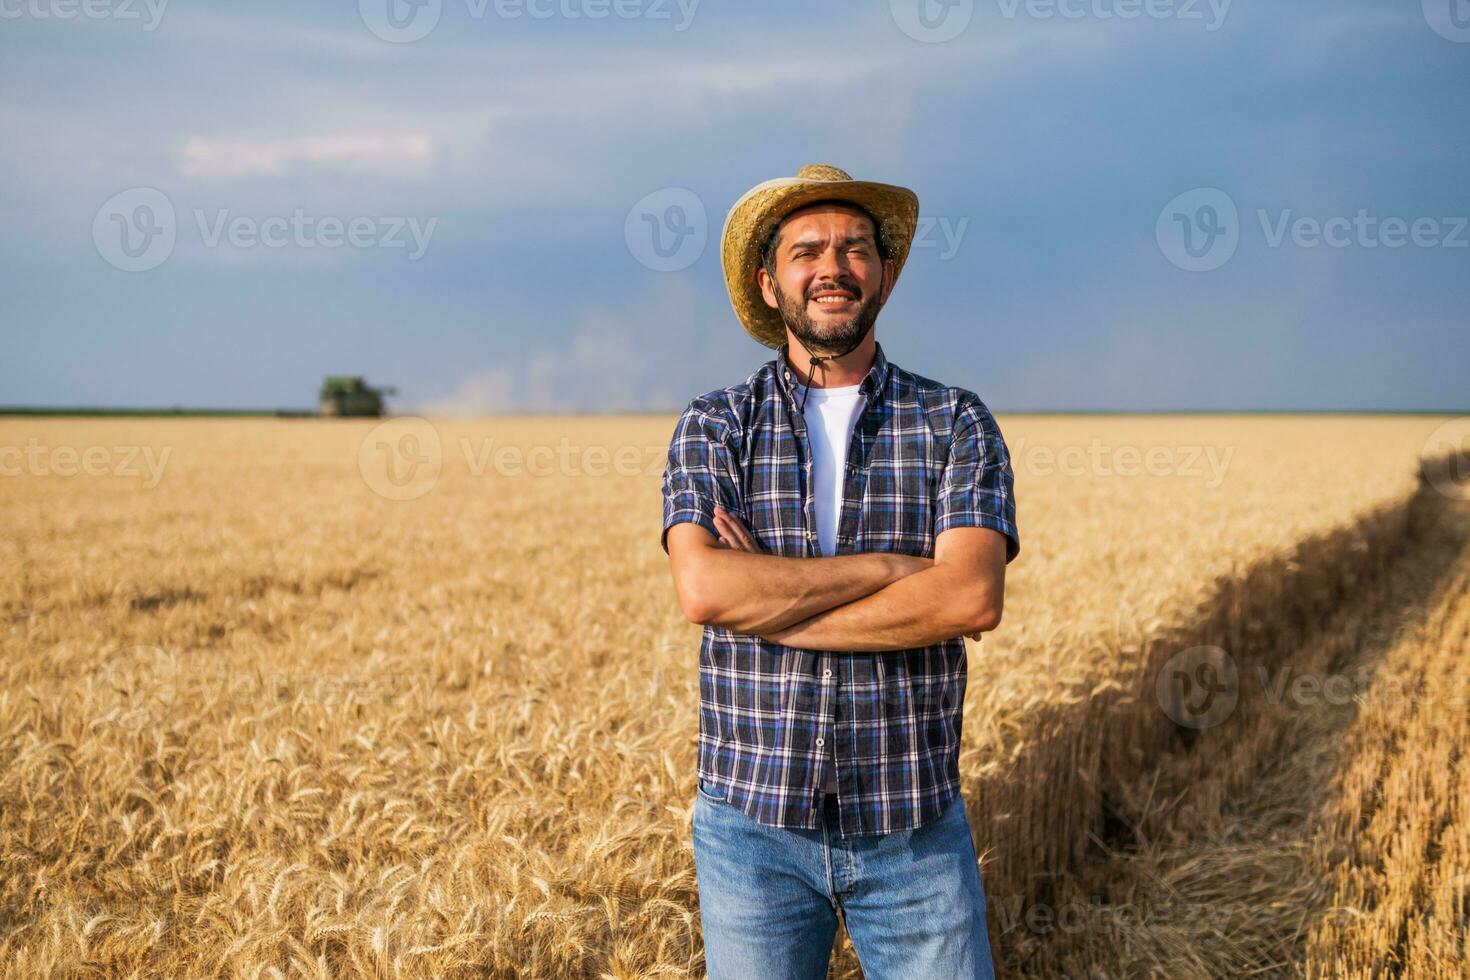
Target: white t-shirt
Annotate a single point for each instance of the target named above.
(830, 415)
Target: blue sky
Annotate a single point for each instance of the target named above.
(1049, 142)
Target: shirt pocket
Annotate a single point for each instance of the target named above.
(898, 509)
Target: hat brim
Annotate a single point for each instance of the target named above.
(764, 206)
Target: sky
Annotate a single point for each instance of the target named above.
(515, 205)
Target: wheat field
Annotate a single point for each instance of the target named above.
(309, 698)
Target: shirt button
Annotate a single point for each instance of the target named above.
(820, 743)
(826, 673)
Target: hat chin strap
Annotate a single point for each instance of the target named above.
(819, 359)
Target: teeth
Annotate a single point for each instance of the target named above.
(831, 299)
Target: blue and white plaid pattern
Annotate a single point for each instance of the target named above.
(924, 458)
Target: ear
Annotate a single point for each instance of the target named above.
(887, 281)
(763, 279)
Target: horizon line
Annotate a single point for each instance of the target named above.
(20, 411)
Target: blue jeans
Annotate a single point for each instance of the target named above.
(769, 897)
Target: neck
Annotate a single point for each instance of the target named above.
(836, 372)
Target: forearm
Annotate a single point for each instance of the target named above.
(921, 609)
(759, 593)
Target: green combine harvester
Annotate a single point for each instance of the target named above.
(346, 396)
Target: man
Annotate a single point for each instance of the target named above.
(838, 525)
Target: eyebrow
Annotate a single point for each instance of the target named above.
(863, 239)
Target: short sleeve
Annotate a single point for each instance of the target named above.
(702, 470)
(977, 488)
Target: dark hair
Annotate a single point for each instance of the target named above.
(773, 235)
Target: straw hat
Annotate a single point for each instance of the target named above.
(761, 209)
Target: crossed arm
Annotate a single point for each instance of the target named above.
(862, 602)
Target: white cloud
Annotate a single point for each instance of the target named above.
(233, 158)
(654, 356)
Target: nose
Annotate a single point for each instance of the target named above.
(832, 270)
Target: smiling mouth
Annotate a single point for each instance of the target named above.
(833, 301)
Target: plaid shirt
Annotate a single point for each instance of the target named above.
(924, 457)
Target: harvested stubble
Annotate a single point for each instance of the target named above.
(260, 718)
(1393, 842)
(1226, 842)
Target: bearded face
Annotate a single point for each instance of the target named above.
(832, 318)
(829, 277)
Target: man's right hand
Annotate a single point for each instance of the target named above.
(734, 534)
